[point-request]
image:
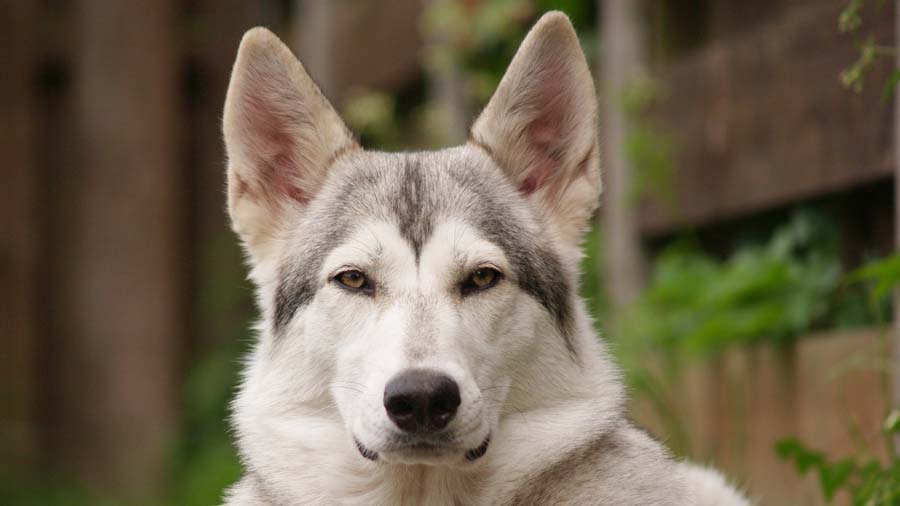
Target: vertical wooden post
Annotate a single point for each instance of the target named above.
(315, 30)
(447, 84)
(217, 316)
(622, 64)
(19, 225)
(896, 340)
(120, 303)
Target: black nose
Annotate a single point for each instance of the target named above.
(419, 400)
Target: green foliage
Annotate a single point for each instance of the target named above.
(372, 117)
(883, 274)
(592, 282)
(474, 42)
(868, 481)
(28, 491)
(773, 292)
(649, 148)
(850, 20)
(204, 460)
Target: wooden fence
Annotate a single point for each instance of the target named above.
(827, 391)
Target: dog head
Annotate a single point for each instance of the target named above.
(416, 298)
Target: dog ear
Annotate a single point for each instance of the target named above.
(280, 135)
(540, 126)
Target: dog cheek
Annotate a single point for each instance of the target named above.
(515, 333)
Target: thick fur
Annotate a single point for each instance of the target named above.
(538, 387)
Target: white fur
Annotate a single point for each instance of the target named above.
(710, 488)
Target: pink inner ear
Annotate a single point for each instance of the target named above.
(280, 178)
(541, 136)
(546, 132)
(278, 167)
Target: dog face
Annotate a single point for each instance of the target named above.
(405, 295)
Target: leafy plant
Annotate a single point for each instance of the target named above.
(849, 21)
(648, 146)
(883, 274)
(770, 292)
(868, 481)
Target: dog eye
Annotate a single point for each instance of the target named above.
(354, 280)
(481, 279)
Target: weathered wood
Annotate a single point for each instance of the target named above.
(731, 17)
(19, 238)
(736, 407)
(119, 293)
(762, 120)
(447, 83)
(896, 338)
(365, 44)
(622, 67)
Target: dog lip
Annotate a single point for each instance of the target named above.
(476, 453)
(426, 447)
(365, 452)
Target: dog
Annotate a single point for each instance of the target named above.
(421, 340)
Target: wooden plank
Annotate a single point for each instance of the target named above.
(118, 309)
(19, 240)
(734, 408)
(623, 63)
(366, 45)
(762, 120)
(896, 337)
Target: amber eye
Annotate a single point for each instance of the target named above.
(481, 279)
(353, 280)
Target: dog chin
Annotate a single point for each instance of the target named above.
(425, 453)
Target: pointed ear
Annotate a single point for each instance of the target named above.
(281, 134)
(540, 126)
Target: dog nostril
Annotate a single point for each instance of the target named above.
(400, 406)
(446, 401)
(421, 400)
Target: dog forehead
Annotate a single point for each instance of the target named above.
(417, 190)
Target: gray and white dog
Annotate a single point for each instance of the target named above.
(421, 341)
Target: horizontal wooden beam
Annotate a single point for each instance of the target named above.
(761, 120)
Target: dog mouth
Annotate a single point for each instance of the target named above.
(424, 449)
(476, 453)
(365, 452)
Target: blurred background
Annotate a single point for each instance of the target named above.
(741, 265)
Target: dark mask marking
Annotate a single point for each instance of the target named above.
(540, 272)
(414, 205)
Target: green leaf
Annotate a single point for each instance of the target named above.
(849, 19)
(890, 85)
(792, 449)
(833, 477)
(884, 274)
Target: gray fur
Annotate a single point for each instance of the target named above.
(414, 190)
